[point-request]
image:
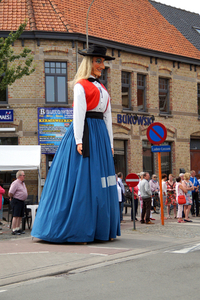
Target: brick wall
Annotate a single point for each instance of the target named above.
(27, 94)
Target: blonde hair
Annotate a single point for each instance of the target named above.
(187, 176)
(84, 70)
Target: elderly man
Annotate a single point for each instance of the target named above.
(195, 194)
(146, 194)
(155, 189)
(19, 194)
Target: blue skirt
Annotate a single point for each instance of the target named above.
(79, 202)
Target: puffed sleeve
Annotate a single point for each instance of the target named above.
(79, 112)
(108, 121)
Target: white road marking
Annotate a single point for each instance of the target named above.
(190, 223)
(99, 254)
(185, 250)
(112, 248)
(14, 253)
(1, 291)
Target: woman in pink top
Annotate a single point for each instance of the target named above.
(180, 190)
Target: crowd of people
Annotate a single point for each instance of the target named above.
(147, 192)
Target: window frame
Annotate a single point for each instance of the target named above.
(167, 95)
(6, 91)
(129, 89)
(144, 89)
(153, 160)
(104, 81)
(198, 99)
(55, 75)
(124, 154)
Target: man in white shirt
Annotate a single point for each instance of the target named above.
(119, 191)
(120, 177)
(146, 194)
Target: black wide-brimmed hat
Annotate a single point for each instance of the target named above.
(95, 50)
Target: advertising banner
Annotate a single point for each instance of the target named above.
(53, 123)
(6, 115)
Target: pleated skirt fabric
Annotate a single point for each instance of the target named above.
(79, 202)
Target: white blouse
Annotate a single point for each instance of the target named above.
(164, 187)
(80, 109)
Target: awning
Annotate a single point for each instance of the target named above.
(21, 158)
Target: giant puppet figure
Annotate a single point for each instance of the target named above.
(79, 202)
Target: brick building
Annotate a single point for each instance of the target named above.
(155, 76)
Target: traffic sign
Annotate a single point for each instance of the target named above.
(165, 148)
(132, 179)
(156, 133)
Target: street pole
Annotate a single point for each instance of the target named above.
(133, 208)
(160, 183)
(87, 22)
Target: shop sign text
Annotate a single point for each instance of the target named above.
(6, 115)
(129, 119)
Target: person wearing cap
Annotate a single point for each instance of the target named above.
(79, 202)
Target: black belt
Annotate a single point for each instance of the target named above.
(86, 147)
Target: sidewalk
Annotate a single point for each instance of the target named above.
(22, 258)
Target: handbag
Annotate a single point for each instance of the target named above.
(181, 199)
(128, 194)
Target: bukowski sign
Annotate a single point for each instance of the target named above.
(6, 115)
(129, 119)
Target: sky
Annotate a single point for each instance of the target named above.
(189, 5)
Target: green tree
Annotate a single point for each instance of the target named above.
(14, 66)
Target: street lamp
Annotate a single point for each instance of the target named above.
(87, 23)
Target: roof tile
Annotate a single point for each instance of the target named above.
(135, 23)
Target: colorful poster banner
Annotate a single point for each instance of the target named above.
(53, 123)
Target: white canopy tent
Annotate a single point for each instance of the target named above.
(21, 158)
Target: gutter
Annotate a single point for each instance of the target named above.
(66, 36)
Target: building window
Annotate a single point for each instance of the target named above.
(56, 82)
(8, 141)
(164, 95)
(166, 160)
(49, 159)
(147, 157)
(126, 90)
(103, 78)
(120, 156)
(141, 92)
(150, 159)
(3, 94)
(198, 98)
